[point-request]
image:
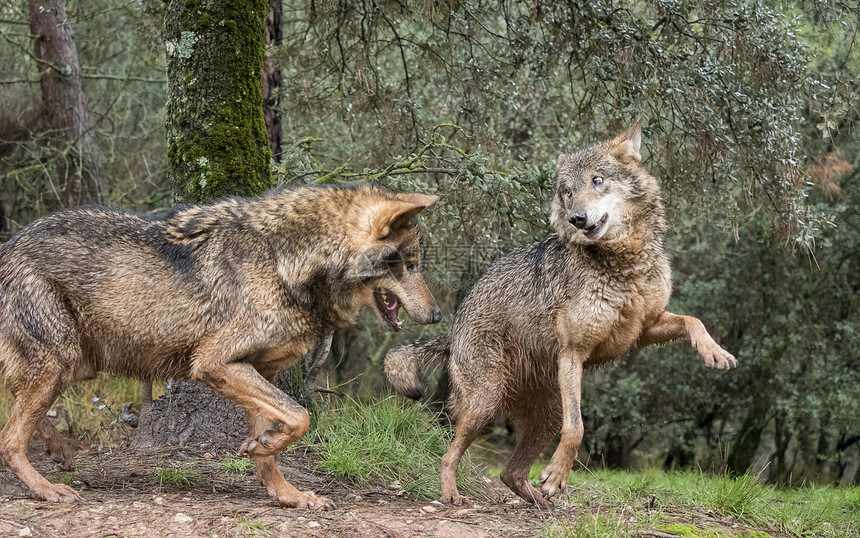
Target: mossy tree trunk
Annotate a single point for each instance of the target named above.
(217, 142)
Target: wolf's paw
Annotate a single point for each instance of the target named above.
(304, 500)
(532, 495)
(456, 499)
(715, 356)
(553, 479)
(263, 445)
(63, 454)
(57, 493)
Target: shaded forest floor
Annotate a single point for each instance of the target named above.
(188, 493)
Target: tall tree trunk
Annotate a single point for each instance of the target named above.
(217, 142)
(65, 104)
(272, 78)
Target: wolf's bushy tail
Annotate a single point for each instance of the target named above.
(404, 364)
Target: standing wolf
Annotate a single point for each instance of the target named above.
(543, 312)
(226, 294)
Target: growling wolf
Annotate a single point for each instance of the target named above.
(225, 294)
(545, 311)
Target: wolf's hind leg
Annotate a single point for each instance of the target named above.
(56, 445)
(534, 429)
(274, 419)
(476, 397)
(31, 404)
(468, 428)
(672, 327)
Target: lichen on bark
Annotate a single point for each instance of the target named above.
(217, 141)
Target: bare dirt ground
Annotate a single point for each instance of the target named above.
(122, 496)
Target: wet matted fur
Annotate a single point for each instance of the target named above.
(225, 294)
(543, 312)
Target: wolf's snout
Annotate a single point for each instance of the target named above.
(579, 218)
(432, 314)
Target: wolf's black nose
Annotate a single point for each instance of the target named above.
(579, 219)
(437, 315)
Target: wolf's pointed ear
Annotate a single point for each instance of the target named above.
(398, 213)
(626, 145)
(562, 158)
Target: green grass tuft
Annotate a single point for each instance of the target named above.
(235, 465)
(392, 441)
(588, 526)
(254, 527)
(179, 475)
(742, 497)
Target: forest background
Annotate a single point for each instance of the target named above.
(748, 111)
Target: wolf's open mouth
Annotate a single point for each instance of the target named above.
(591, 231)
(388, 305)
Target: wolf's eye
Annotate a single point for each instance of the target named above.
(567, 192)
(411, 267)
(393, 259)
(596, 181)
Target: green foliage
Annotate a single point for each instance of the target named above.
(392, 443)
(122, 62)
(527, 80)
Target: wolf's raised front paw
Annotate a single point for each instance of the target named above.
(715, 356)
(262, 446)
(58, 493)
(304, 500)
(553, 479)
(248, 447)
